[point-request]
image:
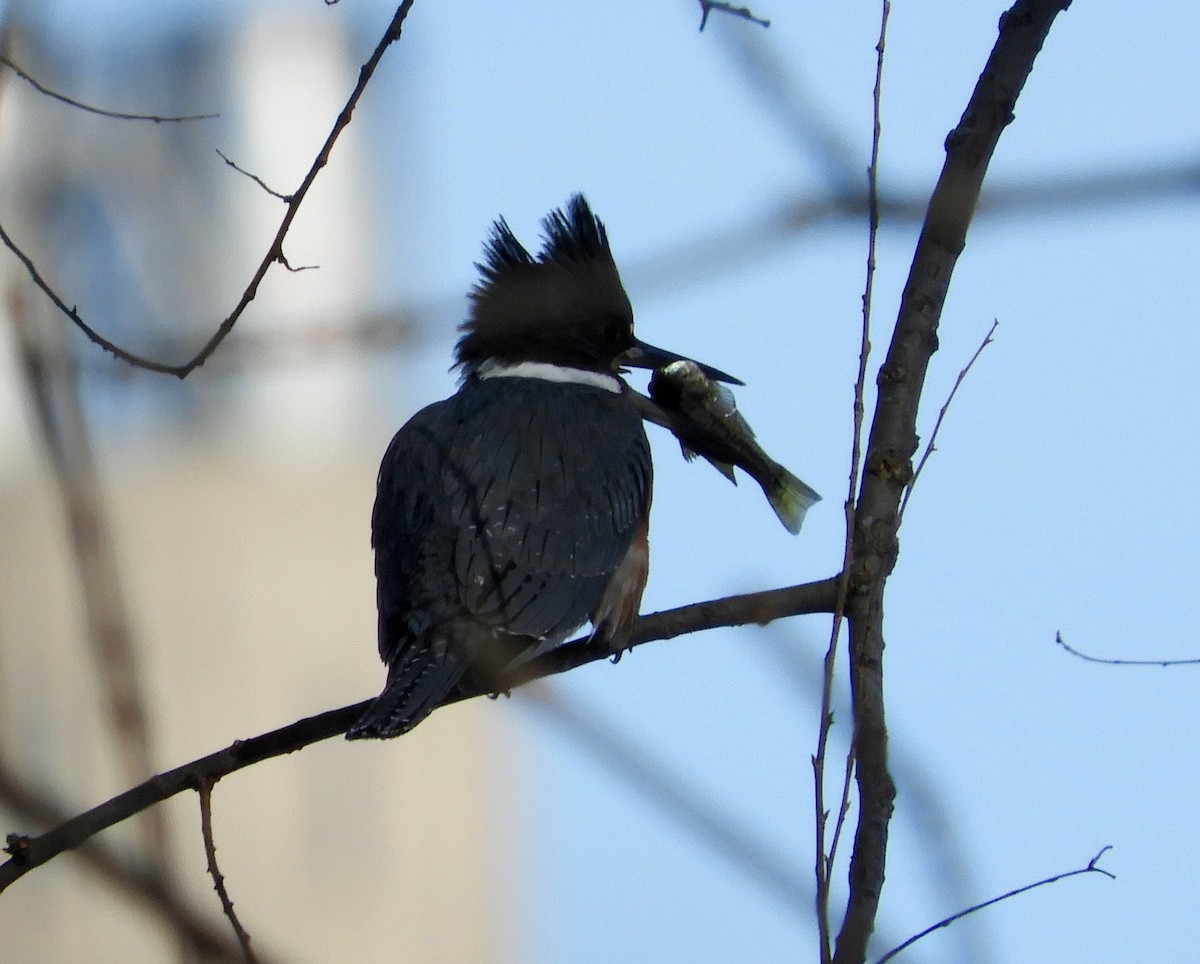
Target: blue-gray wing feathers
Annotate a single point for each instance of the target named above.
(500, 512)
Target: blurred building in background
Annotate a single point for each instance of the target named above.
(229, 513)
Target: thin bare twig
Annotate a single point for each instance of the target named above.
(931, 447)
(274, 252)
(1058, 638)
(286, 198)
(825, 858)
(843, 811)
(1091, 868)
(210, 854)
(80, 105)
(743, 13)
(893, 440)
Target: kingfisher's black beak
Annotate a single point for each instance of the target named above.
(642, 355)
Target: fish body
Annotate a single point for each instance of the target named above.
(704, 417)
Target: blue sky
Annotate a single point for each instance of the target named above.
(1057, 499)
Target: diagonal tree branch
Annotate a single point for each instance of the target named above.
(761, 607)
(893, 439)
(274, 252)
(713, 825)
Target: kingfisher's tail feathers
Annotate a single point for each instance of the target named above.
(791, 499)
(411, 694)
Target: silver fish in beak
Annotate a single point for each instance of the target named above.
(704, 417)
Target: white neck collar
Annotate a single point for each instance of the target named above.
(547, 372)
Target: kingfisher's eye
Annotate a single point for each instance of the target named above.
(617, 330)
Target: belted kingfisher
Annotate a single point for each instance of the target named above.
(513, 512)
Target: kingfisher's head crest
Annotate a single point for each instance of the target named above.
(567, 306)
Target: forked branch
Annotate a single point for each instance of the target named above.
(274, 253)
(893, 439)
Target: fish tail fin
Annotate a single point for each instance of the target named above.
(790, 498)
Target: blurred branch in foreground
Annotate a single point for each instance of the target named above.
(109, 631)
(695, 261)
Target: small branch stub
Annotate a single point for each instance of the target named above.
(742, 13)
